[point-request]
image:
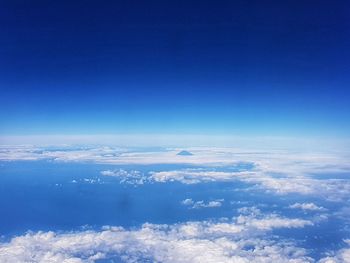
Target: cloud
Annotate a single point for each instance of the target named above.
(341, 256)
(194, 176)
(187, 201)
(201, 204)
(128, 177)
(242, 239)
(245, 238)
(331, 189)
(307, 206)
(272, 221)
(215, 203)
(279, 172)
(286, 161)
(249, 210)
(113, 155)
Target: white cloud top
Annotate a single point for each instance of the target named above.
(201, 204)
(242, 239)
(279, 172)
(239, 240)
(307, 206)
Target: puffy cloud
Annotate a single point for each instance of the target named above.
(307, 206)
(249, 210)
(272, 221)
(193, 176)
(202, 204)
(241, 240)
(215, 203)
(341, 256)
(86, 181)
(187, 201)
(331, 189)
(129, 177)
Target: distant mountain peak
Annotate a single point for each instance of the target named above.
(184, 153)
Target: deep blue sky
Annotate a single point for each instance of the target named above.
(222, 67)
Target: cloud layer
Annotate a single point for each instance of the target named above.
(242, 239)
(245, 238)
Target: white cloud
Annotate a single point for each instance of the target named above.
(201, 204)
(241, 240)
(272, 221)
(307, 206)
(279, 172)
(244, 239)
(193, 176)
(331, 189)
(287, 161)
(129, 177)
(249, 210)
(183, 140)
(341, 256)
(215, 203)
(187, 201)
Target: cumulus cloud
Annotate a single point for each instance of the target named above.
(194, 176)
(331, 189)
(187, 201)
(249, 210)
(129, 177)
(307, 206)
(341, 256)
(201, 204)
(242, 239)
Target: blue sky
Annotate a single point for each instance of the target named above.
(276, 68)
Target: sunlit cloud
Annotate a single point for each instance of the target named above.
(238, 240)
